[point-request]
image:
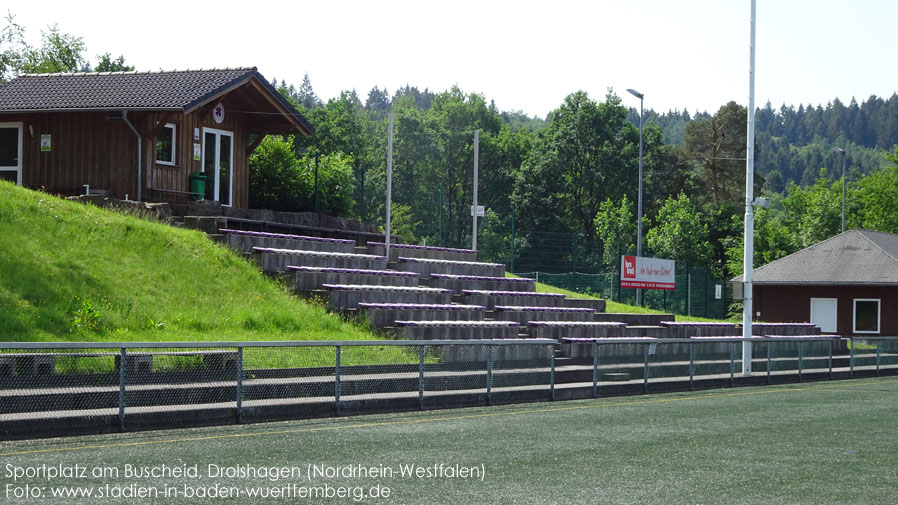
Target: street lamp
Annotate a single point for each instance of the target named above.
(844, 161)
(639, 200)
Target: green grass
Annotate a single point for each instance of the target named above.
(828, 442)
(71, 272)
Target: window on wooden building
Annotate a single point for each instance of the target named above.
(866, 315)
(165, 144)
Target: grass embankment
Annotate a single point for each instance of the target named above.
(71, 272)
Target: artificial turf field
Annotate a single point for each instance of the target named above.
(825, 442)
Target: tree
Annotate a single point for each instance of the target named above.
(679, 233)
(717, 147)
(588, 153)
(59, 52)
(12, 49)
(105, 63)
(306, 95)
(616, 227)
(877, 197)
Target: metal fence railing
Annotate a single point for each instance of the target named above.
(78, 387)
(68, 388)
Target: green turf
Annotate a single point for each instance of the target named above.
(73, 272)
(828, 442)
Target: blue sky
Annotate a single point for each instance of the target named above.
(525, 55)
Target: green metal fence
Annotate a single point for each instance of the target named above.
(697, 293)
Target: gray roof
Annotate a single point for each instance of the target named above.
(851, 258)
(181, 90)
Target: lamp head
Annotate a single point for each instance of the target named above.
(635, 93)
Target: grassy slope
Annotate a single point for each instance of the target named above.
(127, 279)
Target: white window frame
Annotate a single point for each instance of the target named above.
(216, 178)
(174, 145)
(878, 315)
(18, 167)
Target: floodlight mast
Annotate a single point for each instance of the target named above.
(748, 252)
(844, 161)
(640, 96)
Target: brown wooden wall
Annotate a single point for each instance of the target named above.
(789, 304)
(87, 148)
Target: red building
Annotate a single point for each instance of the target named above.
(847, 285)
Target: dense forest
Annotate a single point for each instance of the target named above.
(560, 192)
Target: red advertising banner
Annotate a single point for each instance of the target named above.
(647, 273)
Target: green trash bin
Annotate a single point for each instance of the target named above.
(198, 185)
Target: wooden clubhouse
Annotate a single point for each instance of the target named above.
(140, 135)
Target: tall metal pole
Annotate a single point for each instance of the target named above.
(844, 162)
(748, 253)
(317, 155)
(474, 208)
(640, 96)
(389, 184)
(639, 203)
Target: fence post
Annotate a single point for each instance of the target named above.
(595, 369)
(421, 379)
(691, 365)
(832, 343)
(552, 374)
(239, 385)
(732, 364)
(489, 374)
(769, 345)
(645, 369)
(800, 360)
(877, 356)
(851, 359)
(337, 382)
(121, 389)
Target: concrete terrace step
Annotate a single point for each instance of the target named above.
(690, 329)
(458, 283)
(782, 329)
(491, 298)
(425, 267)
(420, 251)
(575, 329)
(457, 330)
(311, 278)
(246, 240)
(523, 315)
(349, 296)
(277, 260)
(382, 315)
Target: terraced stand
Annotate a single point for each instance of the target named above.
(696, 329)
(349, 296)
(311, 278)
(490, 299)
(246, 240)
(382, 315)
(459, 283)
(426, 267)
(277, 260)
(420, 251)
(576, 329)
(461, 330)
(523, 315)
(583, 347)
(781, 329)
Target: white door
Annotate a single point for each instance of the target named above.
(218, 164)
(823, 313)
(11, 152)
